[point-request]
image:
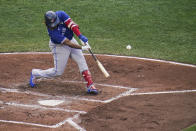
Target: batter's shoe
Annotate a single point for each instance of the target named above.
(92, 90)
(90, 87)
(32, 81)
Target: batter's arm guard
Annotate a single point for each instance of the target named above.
(73, 26)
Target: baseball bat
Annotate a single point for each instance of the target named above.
(101, 67)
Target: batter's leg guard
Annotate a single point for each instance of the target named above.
(32, 81)
(90, 87)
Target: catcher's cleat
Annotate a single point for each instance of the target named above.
(32, 81)
(92, 90)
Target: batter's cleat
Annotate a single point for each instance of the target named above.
(32, 81)
(92, 90)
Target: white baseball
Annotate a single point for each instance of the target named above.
(128, 47)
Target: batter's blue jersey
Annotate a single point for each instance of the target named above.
(58, 34)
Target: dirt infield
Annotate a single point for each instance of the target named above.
(139, 95)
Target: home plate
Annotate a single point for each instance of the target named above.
(50, 102)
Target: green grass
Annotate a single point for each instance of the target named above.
(163, 29)
(191, 128)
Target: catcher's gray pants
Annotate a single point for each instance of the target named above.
(61, 54)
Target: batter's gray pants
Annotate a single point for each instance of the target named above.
(61, 54)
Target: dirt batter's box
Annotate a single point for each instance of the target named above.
(22, 106)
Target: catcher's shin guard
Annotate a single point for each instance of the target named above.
(90, 87)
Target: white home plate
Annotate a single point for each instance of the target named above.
(50, 102)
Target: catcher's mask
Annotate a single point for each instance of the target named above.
(51, 19)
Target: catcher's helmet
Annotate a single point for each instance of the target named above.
(51, 19)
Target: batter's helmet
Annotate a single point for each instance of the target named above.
(51, 19)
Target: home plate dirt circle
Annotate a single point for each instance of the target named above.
(141, 94)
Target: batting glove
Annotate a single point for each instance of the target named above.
(86, 47)
(83, 38)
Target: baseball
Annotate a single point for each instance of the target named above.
(128, 47)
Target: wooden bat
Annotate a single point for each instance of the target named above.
(101, 67)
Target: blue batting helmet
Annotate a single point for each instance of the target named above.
(51, 19)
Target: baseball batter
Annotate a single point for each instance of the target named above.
(61, 30)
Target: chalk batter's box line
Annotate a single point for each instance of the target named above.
(68, 120)
(41, 107)
(129, 90)
(76, 126)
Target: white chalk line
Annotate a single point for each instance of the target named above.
(68, 120)
(49, 96)
(106, 85)
(25, 123)
(23, 92)
(73, 98)
(25, 53)
(76, 126)
(132, 57)
(129, 92)
(71, 122)
(66, 97)
(163, 92)
(44, 108)
(149, 59)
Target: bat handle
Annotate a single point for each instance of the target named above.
(90, 51)
(94, 57)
